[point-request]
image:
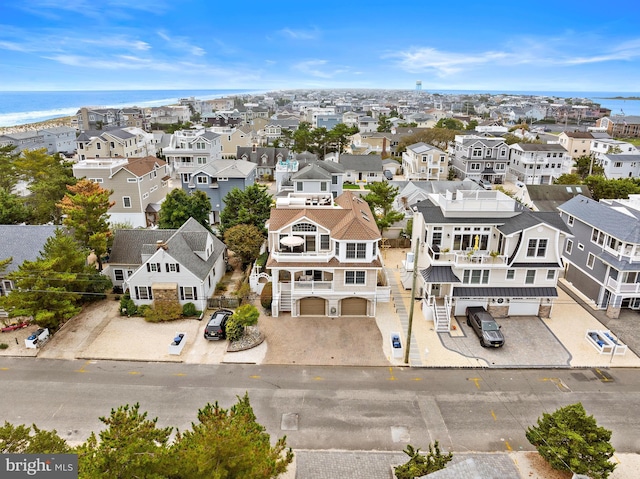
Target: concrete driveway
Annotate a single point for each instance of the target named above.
(528, 343)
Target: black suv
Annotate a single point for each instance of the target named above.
(485, 327)
(216, 327)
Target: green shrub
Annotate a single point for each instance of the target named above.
(220, 287)
(4, 345)
(189, 309)
(266, 297)
(127, 306)
(262, 259)
(163, 311)
(234, 329)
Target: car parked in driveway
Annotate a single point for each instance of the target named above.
(388, 175)
(486, 184)
(485, 327)
(216, 327)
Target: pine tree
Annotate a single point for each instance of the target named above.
(572, 441)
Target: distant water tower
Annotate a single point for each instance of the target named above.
(419, 85)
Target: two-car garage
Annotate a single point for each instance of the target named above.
(348, 307)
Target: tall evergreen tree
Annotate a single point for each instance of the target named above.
(249, 207)
(179, 206)
(380, 199)
(85, 207)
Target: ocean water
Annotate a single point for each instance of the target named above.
(22, 107)
(605, 99)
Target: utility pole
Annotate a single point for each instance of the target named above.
(413, 300)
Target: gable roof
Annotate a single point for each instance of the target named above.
(618, 221)
(549, 197)
(227, 168)
(522, 218)
(352, 221)
(361, 162)
(142, 166)
(23, 242)
(182, 244)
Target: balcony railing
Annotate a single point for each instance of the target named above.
(632, 255)
(302, 256)
(311, 286)
(468, 258)
(623, 288)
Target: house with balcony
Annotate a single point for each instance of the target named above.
(609, 146)
(217, 178)
(191, 149)
(324, 259)
(538, 164)
(182, 265)
(483, 248)
(265, 158)
(113, 143)
(424, 162)
(138, 186)
(308, 181)
(603, 256)
(620, 126)
(59, 139)
(479, 158)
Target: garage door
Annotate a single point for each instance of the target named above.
(353, 307)
(524, 307)
(462, 304)
(312, 307)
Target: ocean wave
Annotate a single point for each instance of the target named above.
(25, 117)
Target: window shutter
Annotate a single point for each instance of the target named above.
(158, 269)
(150, 292)
(181, 293)
(148, 268)
(136, 288)
(166, 266)
(195, 293)
(177, 267)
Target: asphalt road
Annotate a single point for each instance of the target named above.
(325, 407)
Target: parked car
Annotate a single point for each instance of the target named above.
(388, 175)
(216, 327)
(481, 321)
(486, 184)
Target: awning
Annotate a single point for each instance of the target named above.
(483, 292)
(292, 241)
(439, 274)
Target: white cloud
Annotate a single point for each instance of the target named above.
(183, 44)
(300, 34)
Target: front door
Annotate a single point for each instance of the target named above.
(435, 290)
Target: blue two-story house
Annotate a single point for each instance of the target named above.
(219, 177)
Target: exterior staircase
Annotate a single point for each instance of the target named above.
(285, 299)
(442, 315)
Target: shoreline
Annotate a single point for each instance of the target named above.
(51, 123)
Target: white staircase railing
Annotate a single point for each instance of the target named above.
(442, 315)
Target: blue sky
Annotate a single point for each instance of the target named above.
(210, 44)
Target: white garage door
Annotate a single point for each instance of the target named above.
(312, 307)
(462, 304)
(524, 307)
